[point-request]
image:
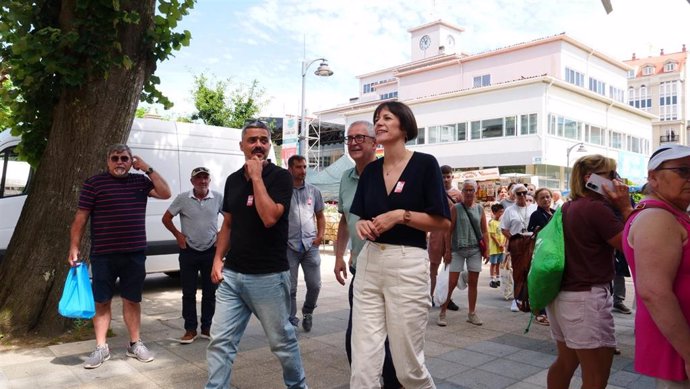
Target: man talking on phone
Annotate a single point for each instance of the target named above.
(116, 203)
(255, 277)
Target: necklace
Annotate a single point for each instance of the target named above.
(395, 166)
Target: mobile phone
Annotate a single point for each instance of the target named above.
(597, 184)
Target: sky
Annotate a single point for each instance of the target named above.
(267, 40)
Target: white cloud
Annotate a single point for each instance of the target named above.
(267, 40)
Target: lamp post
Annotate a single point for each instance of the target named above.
(323, 71)
(581, 149)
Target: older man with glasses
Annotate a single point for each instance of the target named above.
(514, 225)
(115, 201)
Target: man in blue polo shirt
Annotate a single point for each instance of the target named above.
(255, 277)
(307, 226)
(198, 210)
(116, 203)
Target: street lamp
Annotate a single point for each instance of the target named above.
(581, 149)
(323, 71)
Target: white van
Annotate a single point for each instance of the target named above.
(172, 148)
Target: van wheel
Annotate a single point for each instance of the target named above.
(173, 274)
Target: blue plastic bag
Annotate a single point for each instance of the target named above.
(77, 297)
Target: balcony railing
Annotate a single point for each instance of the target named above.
(668, 138)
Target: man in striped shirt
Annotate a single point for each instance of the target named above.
(116, 203)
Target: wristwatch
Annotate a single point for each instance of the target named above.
(149, 170)
(407, 217)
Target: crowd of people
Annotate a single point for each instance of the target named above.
(401, 219)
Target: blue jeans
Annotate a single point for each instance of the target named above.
(268, 297)
(311, 266)
(193, 262)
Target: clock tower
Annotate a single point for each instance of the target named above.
(435, 38)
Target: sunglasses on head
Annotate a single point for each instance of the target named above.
(116, 158)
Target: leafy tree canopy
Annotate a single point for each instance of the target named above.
(50, 46)
(218, 108)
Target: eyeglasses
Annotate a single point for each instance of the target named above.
(682, 171)
(610, 175)
(116, 158)
(521, 193)
(356, 139)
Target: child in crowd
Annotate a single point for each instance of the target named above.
(496, 244)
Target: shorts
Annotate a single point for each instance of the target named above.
(663, 384)
(496, 259)
(130, 268)
(583, 320)
(469, 255)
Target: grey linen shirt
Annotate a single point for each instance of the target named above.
(199, 218)
(306, 203)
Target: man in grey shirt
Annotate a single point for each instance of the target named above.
(304, 239)
(198, 210)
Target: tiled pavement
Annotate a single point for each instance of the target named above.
(494, 356)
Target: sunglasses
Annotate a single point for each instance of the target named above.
(117, 158)
(610, 175)
(356, 139)
(521, 193)
(682, 171)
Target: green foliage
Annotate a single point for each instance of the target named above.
(47, 50)
(209, 101)
(141, 111)
(214, 108)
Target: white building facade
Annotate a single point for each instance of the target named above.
(518, 108)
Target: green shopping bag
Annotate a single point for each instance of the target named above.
(548, 262)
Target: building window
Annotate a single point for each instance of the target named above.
(510, 126)
(631, 96)
(616, 140)
(462, 131)
(475, 130)
(631, 73)
(597, 86)
(616, 94)
(669, 66)
(480, 81)
(648, 70)
(528, 124)
(389, 95)
(574, 77)
(594, 134)
(668, 100)
(641, 100)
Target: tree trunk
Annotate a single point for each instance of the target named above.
(85, 121)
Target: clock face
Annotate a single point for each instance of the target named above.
(450, 41)
(425, 42)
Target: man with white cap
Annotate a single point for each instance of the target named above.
(198, 209)
(515, 221)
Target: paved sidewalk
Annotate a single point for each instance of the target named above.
(494, 356)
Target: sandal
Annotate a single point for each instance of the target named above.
(542, 320)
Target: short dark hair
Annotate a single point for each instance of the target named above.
(445, 169)
(255, 124)
(408, 123)
(291, 160)
(496, 207)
